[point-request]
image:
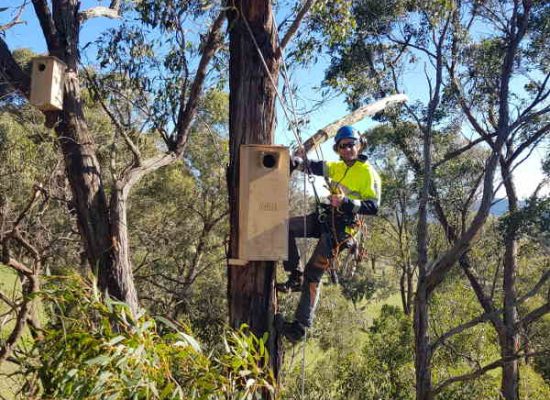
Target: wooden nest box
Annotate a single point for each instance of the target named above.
(263, 202)
(47, 83)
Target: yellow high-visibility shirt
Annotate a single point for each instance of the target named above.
(359, 182)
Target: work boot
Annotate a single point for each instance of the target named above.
(293, 331)
(293, 284)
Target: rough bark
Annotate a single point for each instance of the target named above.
(251, 294)
(423, 352)
(410, 289)
(509, 336)
(82, 167)
(89, 200)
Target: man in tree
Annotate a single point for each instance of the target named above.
(355, 189)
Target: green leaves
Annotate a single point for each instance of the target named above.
(96, 350)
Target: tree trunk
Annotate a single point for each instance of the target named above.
(123, 274)
(410, 291)
(81, 164)
(251, 294)
(403, 290)
(509, 337)
(406, 288)
(89, 200)
(422, 343)
(509, 340)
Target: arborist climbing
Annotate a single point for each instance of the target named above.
(355, 189)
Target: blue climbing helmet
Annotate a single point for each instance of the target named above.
(346, 132)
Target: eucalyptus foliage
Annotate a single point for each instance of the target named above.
(96, 349)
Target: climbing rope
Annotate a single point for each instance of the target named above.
(303, 386)
(307, 174)
(293, 123)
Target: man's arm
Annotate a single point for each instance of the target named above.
(369, 204)
(314, 167)
(366, 207)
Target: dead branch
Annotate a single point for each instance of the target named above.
(24, 311)
(330, 130)
(113, 12)
(16, 20)
(11, 73)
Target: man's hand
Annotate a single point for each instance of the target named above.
(336, 200)
(300, 152)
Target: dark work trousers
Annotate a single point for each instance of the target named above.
(317, 264)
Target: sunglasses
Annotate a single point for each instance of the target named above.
(349, 145)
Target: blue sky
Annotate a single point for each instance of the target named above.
(29, 35)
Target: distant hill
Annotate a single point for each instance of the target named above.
(500, 206)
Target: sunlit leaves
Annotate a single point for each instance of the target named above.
(147, 63)
(98, 350)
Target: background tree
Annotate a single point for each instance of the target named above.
(439, 39)
(103, 223)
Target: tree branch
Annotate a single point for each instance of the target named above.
(455, 153)
(414, 46)
(295, 24)
(47, 24)
(480, 371)
(187, 111)
(534, 315)
(113, 12)
(37, 190)
(535, 288)
(483, 299)
(19, 267)
(539, 99)
(461, 328)
(468, 111)
(16, 20)
(122, 130)
(532, 139)
(22, 317)
(8, 301)
(440, 266)
(26, 244)
(11, 73)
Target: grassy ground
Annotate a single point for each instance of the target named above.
(373, 306)
(8, 286)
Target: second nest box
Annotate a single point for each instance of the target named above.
(47, 83)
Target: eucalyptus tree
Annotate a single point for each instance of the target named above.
(151, 70)
(397, 219)
(102, 221)
(472, 54)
